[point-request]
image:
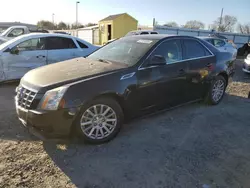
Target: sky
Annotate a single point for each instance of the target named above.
(180, 11)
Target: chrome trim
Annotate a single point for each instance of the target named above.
(143, 68)
(245, 70)
(126, 76)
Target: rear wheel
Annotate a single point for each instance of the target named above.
(216, 91)
(100, 121)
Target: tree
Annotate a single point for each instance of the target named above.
(62, 25)
(79, 25)
(226, 24)
(89, 24)
(194, 24)
(244, 28)
(171, 24)
(45, 25)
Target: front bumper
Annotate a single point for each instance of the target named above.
(47, 124)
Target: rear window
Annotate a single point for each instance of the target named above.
(144, 33)
(81, 44)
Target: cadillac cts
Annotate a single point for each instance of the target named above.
(92, 96)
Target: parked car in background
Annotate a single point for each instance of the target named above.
(62, 32)
(16, 31)
(246, 65)
(130, 76)
(222, 45)
(141, 32)
(26, 52)
(2, 40)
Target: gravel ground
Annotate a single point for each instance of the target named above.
(192, 146)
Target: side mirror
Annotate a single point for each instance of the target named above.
(14, 51)
(10, 35)
(158, 60)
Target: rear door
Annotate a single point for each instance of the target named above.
(201, 63)
(32, 54)
(61, 49)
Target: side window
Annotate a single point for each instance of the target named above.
(16, 32)
(154, 33)
(193, 49)
(219, 43)
(171, 50)
(81, 44)
(57, 43)
(144, 33)
(210, 41)
(32, 44)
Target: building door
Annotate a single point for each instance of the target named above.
(109, 32)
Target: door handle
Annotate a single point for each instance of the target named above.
(181, 71)
(209, 64)
(40, 56)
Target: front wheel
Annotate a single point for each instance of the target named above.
(216, 91)
(100, 121)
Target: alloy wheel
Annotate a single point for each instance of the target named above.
(218, 90)
(98, 121)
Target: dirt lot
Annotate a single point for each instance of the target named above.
(193, 146)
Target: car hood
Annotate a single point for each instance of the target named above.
(66, 72)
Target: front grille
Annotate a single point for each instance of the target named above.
(25, 97)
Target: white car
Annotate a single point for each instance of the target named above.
(141, 32)
(2, 40)
(246, 65)
(222, 45)
(26, 52)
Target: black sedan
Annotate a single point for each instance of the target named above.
(136, 75)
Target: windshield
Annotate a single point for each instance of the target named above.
(127, 50)
(4, 45)
(5, 32)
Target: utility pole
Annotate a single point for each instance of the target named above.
(77, 17)
(53, 21)
(221, 17)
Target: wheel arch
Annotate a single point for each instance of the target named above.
(224, 75)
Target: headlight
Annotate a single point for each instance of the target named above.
(248, 56)
(53, 99)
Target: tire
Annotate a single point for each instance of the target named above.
(99, 121)
(210, 99)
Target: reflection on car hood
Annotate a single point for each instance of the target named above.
(67, 71)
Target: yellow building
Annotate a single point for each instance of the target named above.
(116, 26)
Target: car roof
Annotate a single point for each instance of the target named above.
(47, 35)
(158, 37)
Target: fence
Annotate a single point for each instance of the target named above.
(238, 39)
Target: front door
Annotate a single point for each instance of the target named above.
(61, 49)
(172, 84)
(201, 63)
(29, 54)
(163, 85)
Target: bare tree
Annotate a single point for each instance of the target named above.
(171, 24)
(226, 24)
(90, 24)
(194, 24)
(244, 28)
